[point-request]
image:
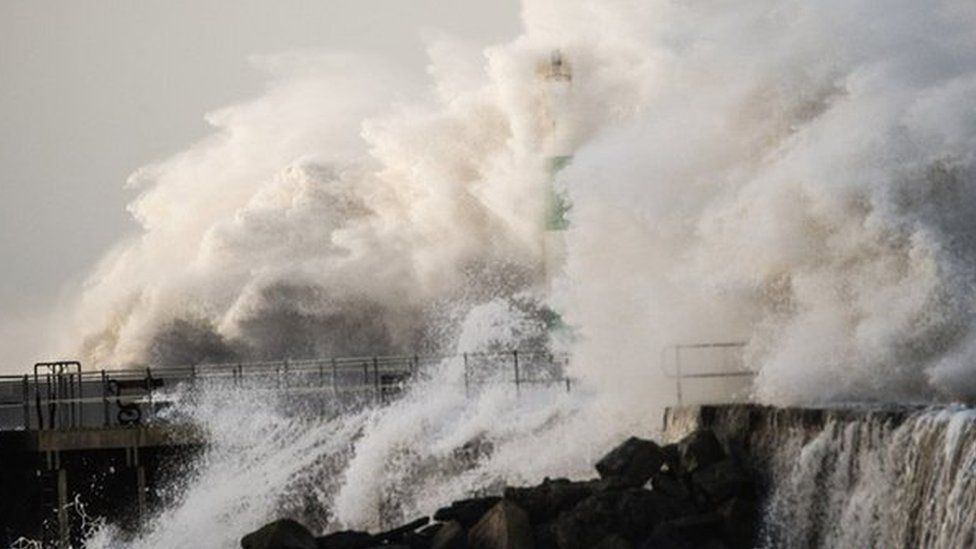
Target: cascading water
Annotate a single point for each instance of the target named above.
(857, 476)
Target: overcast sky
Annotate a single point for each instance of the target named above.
(91, 90)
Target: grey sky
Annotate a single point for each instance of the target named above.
(91, 90)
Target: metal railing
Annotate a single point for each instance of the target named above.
(733, 369)
(63, 396)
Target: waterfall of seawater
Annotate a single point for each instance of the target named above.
(874, 483)
(852, 477)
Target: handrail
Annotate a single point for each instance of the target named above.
(678, 375)
(63, 394)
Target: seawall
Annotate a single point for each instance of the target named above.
(854, 476)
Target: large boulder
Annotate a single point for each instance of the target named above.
(699, 449)
(280, 534)
(544, 502)
(633, 462)
(505, 526)
(467, 511)
(722, 480)
(614, 541)
(346, 540)
(670, 485)
(450, 536)
(398, 535)
(740, 517)
(631, 514)
(690, 532)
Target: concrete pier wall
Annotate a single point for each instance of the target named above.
(53, 480)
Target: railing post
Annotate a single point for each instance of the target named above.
(466, 379)
(335, 382)
(27, 423)
(517, 380)
(677, 372)
(105, 397)
(149, 393)
(376, 380)
(52, 406)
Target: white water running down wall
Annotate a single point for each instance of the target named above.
(871, 477)
(867, 483)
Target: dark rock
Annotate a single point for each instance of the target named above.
(634, 461)
(346, 540)
(466, 511)
(397, 534)
(632, 514)
(451, 536)
(544, 502)
(691, 532)
(740, 516)
(670, 486)
(613, 541)
(280, 534)
(505, 526)
(545, 536)
(430, 530)
(722, 480)
(700, 449)
(672, 458)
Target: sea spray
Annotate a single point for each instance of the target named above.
(795, 175)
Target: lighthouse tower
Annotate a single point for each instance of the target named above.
(556, 78)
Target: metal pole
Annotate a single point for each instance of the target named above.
(52, 406)
(517, 381)
(677, 372)
(72, 416)
(26, 403)
(149, 393)
(376, 380)
(335, 381)
(105, 396)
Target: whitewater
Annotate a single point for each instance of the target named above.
(799, 176)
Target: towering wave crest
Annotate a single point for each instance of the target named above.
(800, 177)
(797, 176)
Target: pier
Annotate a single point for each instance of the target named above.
(77, 444)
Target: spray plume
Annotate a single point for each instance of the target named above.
(796, 175)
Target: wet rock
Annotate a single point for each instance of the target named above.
(699, 449)
(280, 534)
(397, 534)
(613, 541)
(722, 480)
(690, 532)
(346, 540)
(544, 502)
(505, 526)
(633, 462)
(672, 458)
(451, 536)
(740, 516)
(670, 486)
(466, 511)
(631, 514)
(545, 536)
